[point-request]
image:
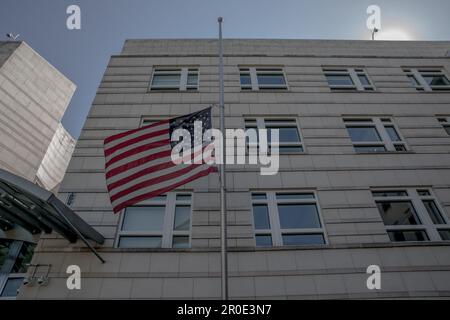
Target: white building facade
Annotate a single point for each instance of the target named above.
(33, 144)
(364, 175)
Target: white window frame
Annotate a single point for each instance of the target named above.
(167, 233)
(146, 121)
(182, 85)
(275, 230)
(445, 122)
(354, 73)
(422, 85)
(293, 122)
(380, 124)
(425, 223)
(254, 71)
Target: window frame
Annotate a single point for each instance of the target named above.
(380, 124)
(353, 73)
(254, 71)
(183, 83)
(261, 124)
(425, 222)
(7, 268)
(422, 85)
(275, 230)
(167, 233)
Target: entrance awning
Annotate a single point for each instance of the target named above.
(38, 210)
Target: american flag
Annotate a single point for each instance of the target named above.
(138, 163)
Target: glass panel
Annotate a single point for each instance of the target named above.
(364, 80)
(358, 120)
(192, 79)
(263, 240)
(436, 80)
(294, 216)
(183, 197)
(269, 122)
(339, 80)
(140, 242)
(445, 234)
(182, 218)
(447, 129)
(180, 242)
(24, 257)
(166, 80)
(266, 79)
(434, 212)
(392, 133)
(290, 149)
(423, 193)
(397, 213)
(11, 287)
(4, 250)
(285, 134)
(259, 196)
(302, 239)
(399, 147)
(370, 148)
(295, 195)
(245, 80)
(261, 216)
(413, 235)
(149, 218)
(394, 193)
(363, 134)
(157, 198)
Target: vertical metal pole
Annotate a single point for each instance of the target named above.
(223, 204)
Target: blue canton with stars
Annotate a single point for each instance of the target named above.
(187, 122)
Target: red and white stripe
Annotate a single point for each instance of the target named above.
(138, 165)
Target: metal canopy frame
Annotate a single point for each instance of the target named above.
(38, 210)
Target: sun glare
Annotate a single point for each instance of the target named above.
(392, 34)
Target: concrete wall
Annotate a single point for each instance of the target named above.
(33, 98)
(341, 178)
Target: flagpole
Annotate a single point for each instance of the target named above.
(223, 204)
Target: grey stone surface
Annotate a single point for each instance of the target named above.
(342, 179)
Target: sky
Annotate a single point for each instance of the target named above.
(82, 55)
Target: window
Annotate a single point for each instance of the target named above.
(262, 79)
(411, 215)
(428, 79)
(289, 135)
(283, 219)
(445, 234)
(175, 79)
(348, 79)
(445, 124)
(161, 222)
(374, 135)
(14, 259)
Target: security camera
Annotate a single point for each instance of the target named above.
(12, 36)
(42, 281)
(27, 281)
